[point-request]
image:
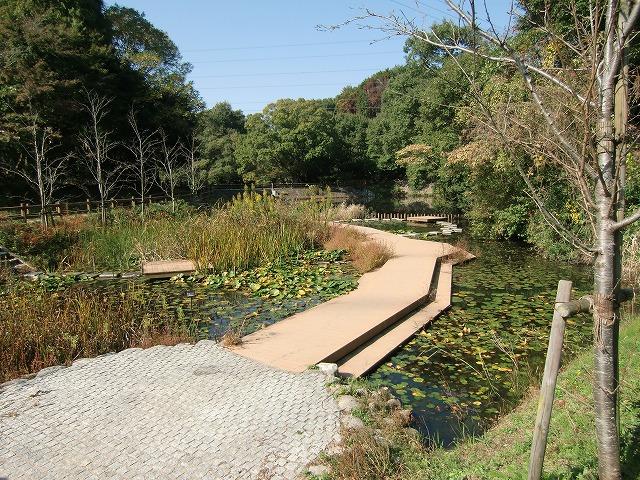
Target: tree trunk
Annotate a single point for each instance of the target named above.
(605, 392)
(103, 212)
(605, 311)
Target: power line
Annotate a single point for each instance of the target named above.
(415, 9)
(275, 86)
(367, 69)
(281, 45)
(298, 57)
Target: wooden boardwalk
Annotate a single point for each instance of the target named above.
(331, 331)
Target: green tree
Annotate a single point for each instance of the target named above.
(169, 101)
(219, 129)
(291, 140)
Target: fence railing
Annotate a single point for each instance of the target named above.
(449, 217)
(26, 211)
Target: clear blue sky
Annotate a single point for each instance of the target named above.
(252, 52)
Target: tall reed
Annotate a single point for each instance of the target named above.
(40, 328)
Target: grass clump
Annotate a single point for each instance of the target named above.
(248, 231)
(366, 254)
(40, 328)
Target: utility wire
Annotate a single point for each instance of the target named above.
(356, 54)
(366, 69)
(281, 45)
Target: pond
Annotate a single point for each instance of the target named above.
(477, 360)
(244, 301)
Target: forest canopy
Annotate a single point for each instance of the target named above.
(411, 125)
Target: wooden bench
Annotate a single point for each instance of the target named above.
(167, 268)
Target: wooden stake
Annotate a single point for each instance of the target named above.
(548, 387)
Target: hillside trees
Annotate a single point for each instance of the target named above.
(219, 130)
(576, 120)
(291, 140)
(53, 51)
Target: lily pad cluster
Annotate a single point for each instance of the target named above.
(477, 360)
(318, 273)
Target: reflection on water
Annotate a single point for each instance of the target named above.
(478, 359)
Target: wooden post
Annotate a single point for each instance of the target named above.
(133, 202)
(88, 202)
(23, 211)
(548, 387)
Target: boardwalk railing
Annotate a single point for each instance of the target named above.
(450, 217)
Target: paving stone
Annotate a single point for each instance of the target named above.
(153, 414)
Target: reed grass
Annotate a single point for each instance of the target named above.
(40, 328)
(366, 254)
(248, 231)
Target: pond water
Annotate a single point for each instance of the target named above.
(477, 360)
(213, 311)
(242, 301)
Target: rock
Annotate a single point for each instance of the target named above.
(334, 449)
(413, 434)
(319, 470)
(361, 392)
(403, 417)
(329, 369)
(347, 403)
(394, 404)
(381, 440)
(352, 423)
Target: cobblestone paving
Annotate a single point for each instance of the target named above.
(189, 411)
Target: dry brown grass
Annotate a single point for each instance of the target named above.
(365, 457)
(459, 252)
(164, 338)
(374, 452)
(344, 212)
(365, 254)
(233, 336)
(40, 329)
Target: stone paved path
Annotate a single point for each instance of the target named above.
(189, 411)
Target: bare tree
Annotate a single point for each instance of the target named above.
(584, 130)
(170, 169)
(37, 167)
(142, 147)
(196, 177)
(96, 146)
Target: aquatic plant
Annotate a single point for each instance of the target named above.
(248, 231)
(39, 328)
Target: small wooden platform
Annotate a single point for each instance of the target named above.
(167, 268)
(426, 219)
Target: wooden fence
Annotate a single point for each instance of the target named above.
(26, 211)
(449, 217)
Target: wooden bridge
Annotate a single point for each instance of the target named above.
(358, 330)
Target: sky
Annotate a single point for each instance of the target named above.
(253, 52)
